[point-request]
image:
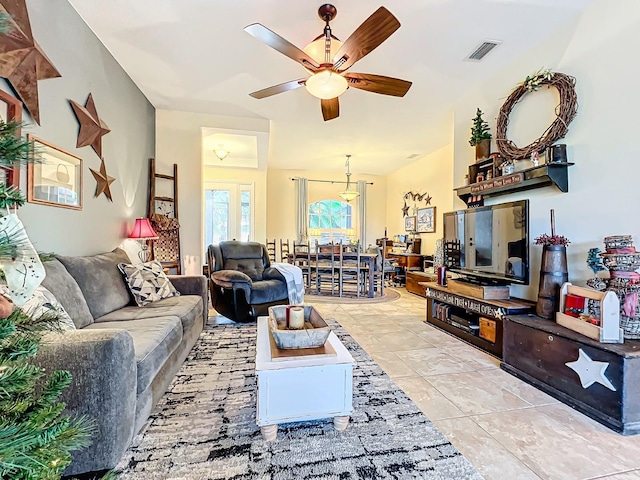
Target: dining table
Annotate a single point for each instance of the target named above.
(366, 259)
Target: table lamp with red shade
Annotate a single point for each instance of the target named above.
(143, 231)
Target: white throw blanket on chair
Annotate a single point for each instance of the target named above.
(295, 286)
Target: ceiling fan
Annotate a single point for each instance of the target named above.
(327, 59)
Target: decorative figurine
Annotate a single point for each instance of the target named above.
(535, 158)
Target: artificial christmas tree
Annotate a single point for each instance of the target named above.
(36, 438)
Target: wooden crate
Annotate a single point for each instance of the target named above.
(609, 330)
(487, 329)
(479, 291)
(414, 280)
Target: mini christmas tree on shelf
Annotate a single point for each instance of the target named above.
(480, 136)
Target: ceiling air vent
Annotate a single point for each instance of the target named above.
(483, 49)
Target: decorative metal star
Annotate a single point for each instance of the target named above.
(589, 371)
(405, 210)
(427, 200)
(92, 128)
(104, 181)
(22, 61)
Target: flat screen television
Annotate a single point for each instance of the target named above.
(489, 244)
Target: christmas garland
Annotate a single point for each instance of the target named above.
(565, 113)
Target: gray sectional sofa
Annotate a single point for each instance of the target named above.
(122, 357)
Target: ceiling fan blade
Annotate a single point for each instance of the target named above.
(330, 108)
(275, 41)
(378, 84)
(373, 31)
(283, 87)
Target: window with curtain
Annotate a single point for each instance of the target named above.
(330, 220)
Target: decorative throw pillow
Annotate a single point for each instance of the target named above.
(42, 302)
(147, 282)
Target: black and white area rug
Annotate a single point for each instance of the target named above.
(204, 427)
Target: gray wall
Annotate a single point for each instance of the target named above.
(87, 67)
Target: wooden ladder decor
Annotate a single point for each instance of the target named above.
(163, 212)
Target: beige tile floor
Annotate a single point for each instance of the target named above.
(508, 429)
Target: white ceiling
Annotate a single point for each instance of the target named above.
(193, 55)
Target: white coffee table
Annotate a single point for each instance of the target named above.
(302, 387)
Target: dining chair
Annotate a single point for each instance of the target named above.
(350, 270)
(383, 269)
(284, 250)
(326, 273)
(302, 258)
(271, 250)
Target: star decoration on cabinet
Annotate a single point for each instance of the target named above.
(590, 371)
(22, 61)
(92, 128)
(104, 181)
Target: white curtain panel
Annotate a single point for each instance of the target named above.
(362, 211)
(302, 214)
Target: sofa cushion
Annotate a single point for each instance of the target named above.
(66, 290)
(268, 291)
(154, 339)
(147, 282)
(100, 280)
(185, 307)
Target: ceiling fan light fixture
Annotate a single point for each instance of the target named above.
(326, 85)
(221, 153)
(316, 49)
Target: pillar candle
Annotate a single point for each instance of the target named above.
(296, 318)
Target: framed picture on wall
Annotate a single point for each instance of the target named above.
(10, 109)
(426, 222)
(410, 224)
(54, 177)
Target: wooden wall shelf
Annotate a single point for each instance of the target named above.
(548, 174)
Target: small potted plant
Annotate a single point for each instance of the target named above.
(480, 136)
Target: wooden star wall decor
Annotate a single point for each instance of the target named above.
(104, 181)
(416, 197)
(92, 128)
(22, 61)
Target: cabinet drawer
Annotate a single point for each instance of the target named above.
(488, 329)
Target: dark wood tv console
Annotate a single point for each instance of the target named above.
(474, 320)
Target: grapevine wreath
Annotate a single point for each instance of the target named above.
(565, 112)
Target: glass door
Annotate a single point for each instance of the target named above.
(228, 212)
